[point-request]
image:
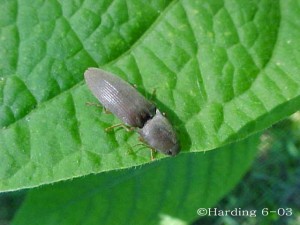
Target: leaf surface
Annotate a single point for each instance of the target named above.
(157, 193)
(222, 70)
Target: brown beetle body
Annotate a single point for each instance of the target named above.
(119, 97)
(133, 109)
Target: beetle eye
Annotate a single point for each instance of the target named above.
(169, 152)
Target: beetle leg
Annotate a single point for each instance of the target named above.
(99, 106)
(119, 125)
(153, 152)
(93, 104)
(106, 111)
(153, 95)
(143, 143)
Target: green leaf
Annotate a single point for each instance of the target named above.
(222, 70)
(152, 194)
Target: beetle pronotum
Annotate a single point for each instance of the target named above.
(133, 109)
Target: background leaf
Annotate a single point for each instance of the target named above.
(223, 70)
(172, 189)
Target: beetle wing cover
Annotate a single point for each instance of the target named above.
(119, 97)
